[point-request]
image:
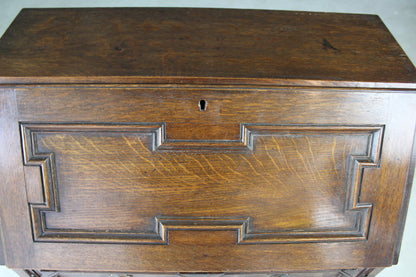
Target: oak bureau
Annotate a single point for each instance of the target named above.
(177, 141)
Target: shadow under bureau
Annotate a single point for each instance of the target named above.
(178, 141)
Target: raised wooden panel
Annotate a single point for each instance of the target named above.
(127, 183)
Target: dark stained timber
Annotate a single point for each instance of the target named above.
(176, 141)
(259, 146)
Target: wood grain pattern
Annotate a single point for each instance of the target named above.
(217, 130)
(12, 189)
(211, 46)
(286, 161)
(359, 272)
(178, 106)
(305, 113)
(406, 199)
(299, 164)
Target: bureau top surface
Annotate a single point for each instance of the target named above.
(202, 46)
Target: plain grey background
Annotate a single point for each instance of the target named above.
(398, 15)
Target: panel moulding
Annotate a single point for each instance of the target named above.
(164, 224)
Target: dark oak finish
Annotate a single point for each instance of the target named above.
(158, 141)
(222, 46)
(359, 272)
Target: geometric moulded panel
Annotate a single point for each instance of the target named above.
(126, 183)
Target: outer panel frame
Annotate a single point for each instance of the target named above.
(381, 109)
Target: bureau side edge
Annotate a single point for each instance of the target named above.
(406, 199)
(2, 255)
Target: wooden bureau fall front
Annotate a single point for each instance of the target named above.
(151, 140)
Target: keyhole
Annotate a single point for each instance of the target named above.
(202, 105)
